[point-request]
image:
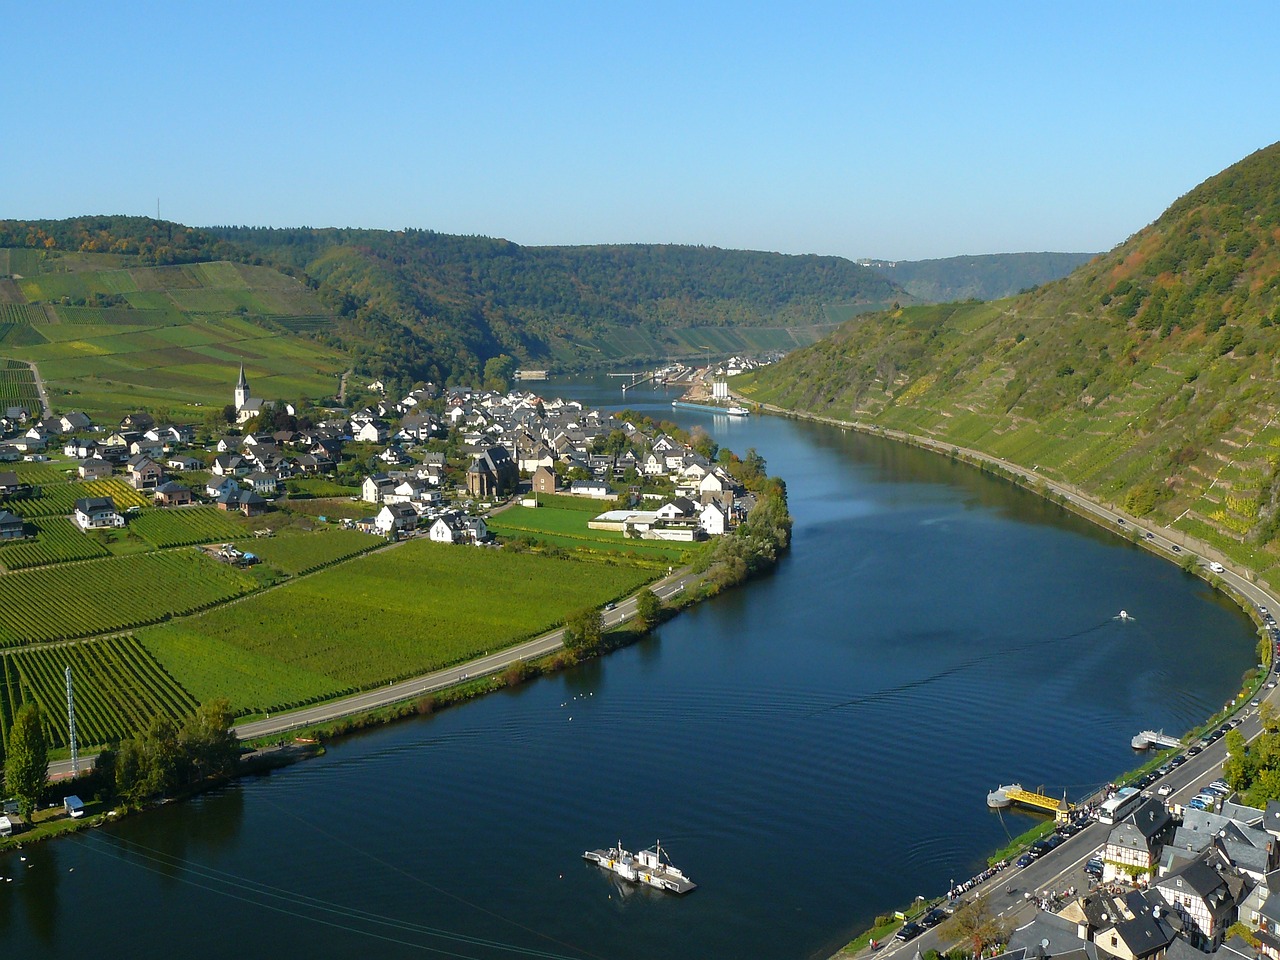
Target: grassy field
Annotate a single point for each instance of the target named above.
(401, 611)
(566, 526)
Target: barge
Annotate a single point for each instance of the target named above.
(651, 867)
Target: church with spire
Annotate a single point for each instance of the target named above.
(247, 407)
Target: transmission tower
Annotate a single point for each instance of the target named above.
(71, 725)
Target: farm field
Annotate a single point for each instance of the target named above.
(405, 610)
(57, 540)
(18, 385)
(59, 499)
(566, 527)
(299, 553)
(186, 525)
(177, 344)
(119, 688)
(115, 593)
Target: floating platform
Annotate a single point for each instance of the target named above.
(1011, 793)
(1154, 738)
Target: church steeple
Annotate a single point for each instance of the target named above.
(242, 389)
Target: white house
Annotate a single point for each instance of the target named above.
(712, 519)
(395, 516)
(93, 513)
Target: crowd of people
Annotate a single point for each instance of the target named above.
(960, 889)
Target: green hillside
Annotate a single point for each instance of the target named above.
(110, 335)
(459, 300)
(1147, 377)
(417, 305)
(987, 277)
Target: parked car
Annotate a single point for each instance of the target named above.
(933, 917)
(1194, 750)
(1025, 860)
(910, 930)
(1195, 804)
(1094, 867)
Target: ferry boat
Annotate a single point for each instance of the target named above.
(651, 867)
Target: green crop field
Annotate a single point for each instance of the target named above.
(567, 527)
(119, 687)
(115, 593)
(57, 540)
(59, 499)
(187, 525)
(394, 613)
(299, 553)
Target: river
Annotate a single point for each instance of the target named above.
(812, 749)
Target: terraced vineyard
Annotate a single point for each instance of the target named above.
(116, 593)
(60, 499)
(119, 688)
(57, 540)
(185, 526)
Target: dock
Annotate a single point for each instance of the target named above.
(1154, 738)
(1013, 793)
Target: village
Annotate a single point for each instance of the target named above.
(430, 464)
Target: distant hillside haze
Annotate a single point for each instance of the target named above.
(987, 277)
(1148, 376)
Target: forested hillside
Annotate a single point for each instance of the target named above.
(987, 277)
(473, 297)
(1148, 376)
(417, 305)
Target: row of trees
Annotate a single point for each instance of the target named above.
(162, 758)
(1254, 768)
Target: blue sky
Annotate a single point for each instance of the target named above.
(896, 130)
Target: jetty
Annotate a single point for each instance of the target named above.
(1154, 738)
(1012, 793)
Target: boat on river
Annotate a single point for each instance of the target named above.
(651, 867)
(737, 411)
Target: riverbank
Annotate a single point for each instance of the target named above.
(1239, 584)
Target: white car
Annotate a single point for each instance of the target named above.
(1165, 790)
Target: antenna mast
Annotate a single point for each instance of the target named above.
(71, 725)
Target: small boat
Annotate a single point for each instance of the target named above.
(737, 411)
(651, 867)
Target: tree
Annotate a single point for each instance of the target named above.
(207, 740)
(584, 629)
(26, 764)
(648, 608)
(229, 413)
(977, 925)
(498, 372)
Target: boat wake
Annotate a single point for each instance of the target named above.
(897, 690)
